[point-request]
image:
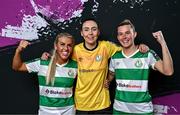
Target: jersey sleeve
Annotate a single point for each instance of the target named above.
(112, 65)
(112, 48)
(33, 65)
(153, 58)
(74, 56)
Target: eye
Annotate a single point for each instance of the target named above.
(70, 45)
(120, 34)
(128, 32)
(61, 44)
(85, 29)
(94, 29)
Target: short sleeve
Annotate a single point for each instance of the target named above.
(112, 65)
(74, 56)
(112, 48)
(33, 65)
(153, 58)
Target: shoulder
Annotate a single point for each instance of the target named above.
(107, 43)
(154, 54)
(79, 45)
(118, 54)
(72, 63)
(44, 62)
(32, 61)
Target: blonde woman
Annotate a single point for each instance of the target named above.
(56, 76)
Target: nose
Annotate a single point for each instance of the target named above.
(90, 32)
(124, 36)
(65, 47)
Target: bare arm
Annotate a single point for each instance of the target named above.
(165, 66)
(18, 64)
(109, 78)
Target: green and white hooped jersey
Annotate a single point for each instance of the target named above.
(131, 75)
(59, 96)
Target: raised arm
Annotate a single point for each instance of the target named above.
(18, 64)
(165, 66)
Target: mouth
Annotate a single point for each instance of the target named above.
(65, 53)
(126, 41)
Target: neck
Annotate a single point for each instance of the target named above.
(90, 46)
(130, 50)
(61, 61)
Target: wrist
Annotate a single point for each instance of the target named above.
(19, 49)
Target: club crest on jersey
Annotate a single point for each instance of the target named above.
(98, 58)
(138, 63)
(71, 73)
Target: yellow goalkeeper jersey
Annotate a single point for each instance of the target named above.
(90, 93)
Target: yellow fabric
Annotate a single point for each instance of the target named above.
(90, 93)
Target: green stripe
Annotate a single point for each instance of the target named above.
(59, 82)
(132, 97)
(56, 102)
(118, 55)
(45, 62)
(132, 74)
(32, 60)
(71, 64)
(140, 55)
(115, 112)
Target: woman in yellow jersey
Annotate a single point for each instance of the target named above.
(91, 97)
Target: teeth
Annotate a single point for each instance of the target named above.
(65, 53)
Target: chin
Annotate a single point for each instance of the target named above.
(126, 46)
(64, 57)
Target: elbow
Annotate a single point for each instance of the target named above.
(169, 73)
(14, 68)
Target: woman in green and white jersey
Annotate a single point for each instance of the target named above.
(131, 70)
(56, 76)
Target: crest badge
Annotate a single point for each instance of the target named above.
(98, 58)
(138, 63)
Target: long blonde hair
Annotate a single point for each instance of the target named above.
(52, 65)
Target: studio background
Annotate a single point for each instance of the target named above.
(39, 21)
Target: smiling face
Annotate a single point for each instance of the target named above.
(126, 35)
(64, 48)
(90, 32)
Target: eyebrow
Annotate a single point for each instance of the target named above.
(90, 27)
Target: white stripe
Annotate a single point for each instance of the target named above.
(68, 110)
(33, 66)
(55, 92)
(131, 63)
(66, 72)
(133, 107)
(43, 70)
(60, 71)
(132, 85)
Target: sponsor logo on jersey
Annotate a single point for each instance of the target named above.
(56, 92)
(128, 85)
(88, 70)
